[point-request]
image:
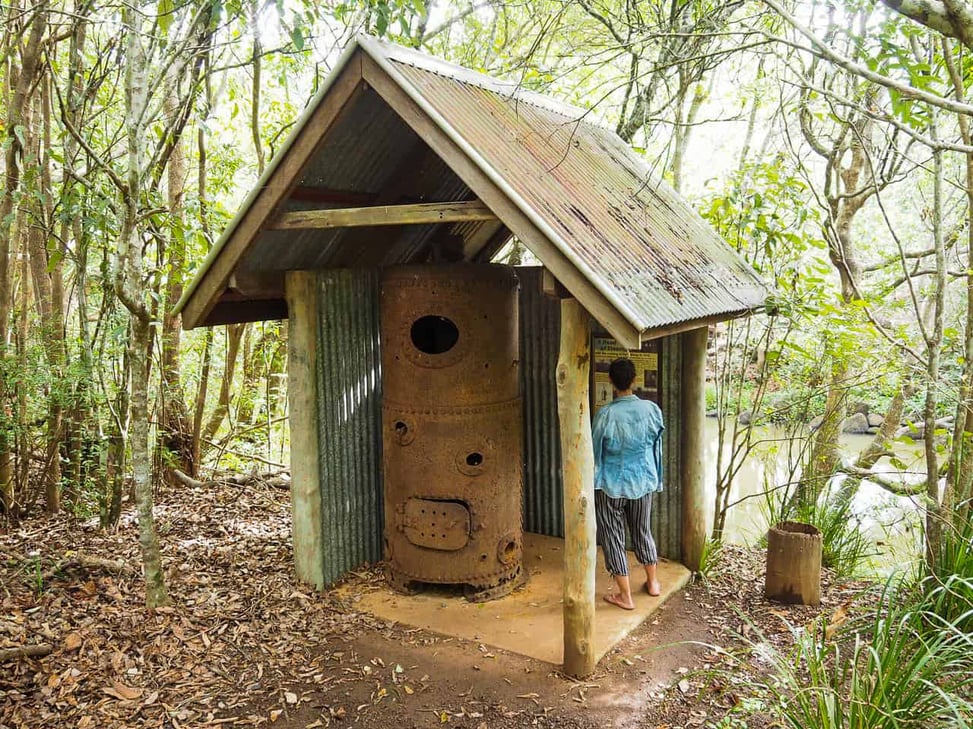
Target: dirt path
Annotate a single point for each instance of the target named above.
(246, 645)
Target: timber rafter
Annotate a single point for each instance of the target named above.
(412, 214)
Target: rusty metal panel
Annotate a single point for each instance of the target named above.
(540, 324)
(637, 240)
(452, 418)
(349, 411)
(667, 506)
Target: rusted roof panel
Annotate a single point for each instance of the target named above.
(636, 250)
(632, 234)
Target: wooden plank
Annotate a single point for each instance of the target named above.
(415, 214)
(483, 243)
(578, 466)
(302, 392)
(228, 311)
(693, 414)
(284, 178)
(689, 325)
(409, 181)
(551, 287)
(256, 285)
(498, 201)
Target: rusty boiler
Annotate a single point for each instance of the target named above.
(452, 428)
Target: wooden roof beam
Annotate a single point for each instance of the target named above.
(416, 214)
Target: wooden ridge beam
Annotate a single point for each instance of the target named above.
(415, 214)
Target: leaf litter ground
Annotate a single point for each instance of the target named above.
(245, 644)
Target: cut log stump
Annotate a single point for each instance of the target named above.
(794, 563)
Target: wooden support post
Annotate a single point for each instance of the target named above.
(578, 465)
(693, 414)
(302, 388)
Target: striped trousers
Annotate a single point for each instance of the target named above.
(611, 516)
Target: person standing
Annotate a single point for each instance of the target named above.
(627, 440)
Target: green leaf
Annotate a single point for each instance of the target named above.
(165, 16)
(297, 37)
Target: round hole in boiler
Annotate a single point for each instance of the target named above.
(401, 428)
(474, 459)
(484, 558)
(434, 334)
(509, 551)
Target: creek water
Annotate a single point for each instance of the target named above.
(890, 522)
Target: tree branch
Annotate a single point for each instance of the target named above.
(929, 13)
(822, 49)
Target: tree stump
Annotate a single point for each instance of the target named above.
(794, 563)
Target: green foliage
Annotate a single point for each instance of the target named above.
(949, 582)
(900, 666)
(710, 557)
(845, 549)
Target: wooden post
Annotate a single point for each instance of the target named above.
(693, 415)
(302, 388)
(578, 474)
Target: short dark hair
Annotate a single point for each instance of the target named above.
(622, 373)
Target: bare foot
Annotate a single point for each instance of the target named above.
(619, 601)
(653, 588)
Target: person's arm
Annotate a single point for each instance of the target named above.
(657, 446)
(657, 452)
(598, 434)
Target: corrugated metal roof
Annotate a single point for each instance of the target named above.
(639, 247)
(635, 235)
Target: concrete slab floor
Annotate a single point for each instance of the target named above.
(529, 621)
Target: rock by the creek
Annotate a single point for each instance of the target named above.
(859, 408)
(857, 423)
(875, 420)
(816, 422)
(745, 418)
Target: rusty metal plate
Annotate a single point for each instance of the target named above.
(451, 427)
(450, 331)
(436, 524)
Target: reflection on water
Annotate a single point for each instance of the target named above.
(889, 520)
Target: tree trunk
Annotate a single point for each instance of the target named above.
(43, 271)
(934, 339)
(155, 587)
(959, 477)
(234, 335)
(175, 431)
(130, 289)
(22, 81)
(578, 464)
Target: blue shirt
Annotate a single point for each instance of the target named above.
(627, 439)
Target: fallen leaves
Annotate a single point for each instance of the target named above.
(123, 692)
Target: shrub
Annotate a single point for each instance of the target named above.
(901, 666)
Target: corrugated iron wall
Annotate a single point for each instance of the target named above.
(350, 411)
(540, 325)
(540, 321)
(667, 506)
